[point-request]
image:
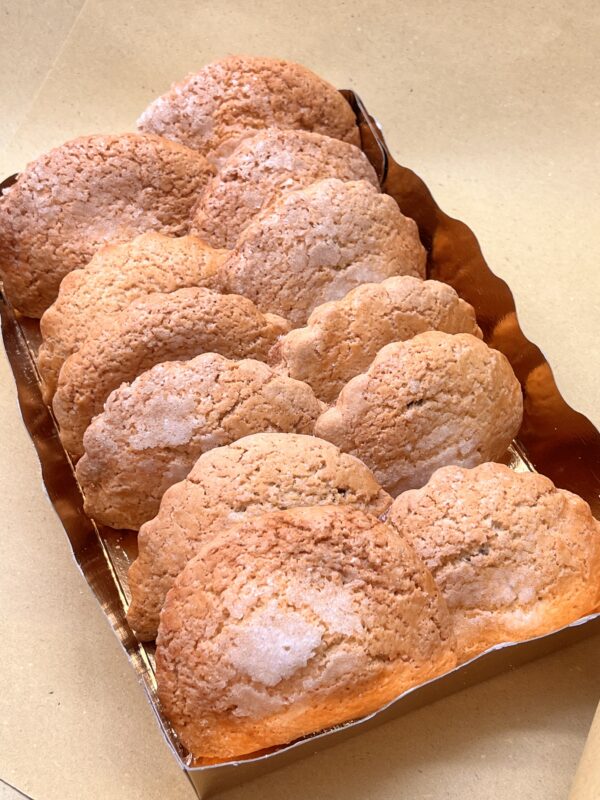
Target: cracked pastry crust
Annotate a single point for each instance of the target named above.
(514, 556)
(161, 327)
(291, 622)
(434, 400)
(342, 338)
(315, 244)
(264, 167)
(117, 275)
(228, 100)
(89, 191)
(153, 430)
(258, 473)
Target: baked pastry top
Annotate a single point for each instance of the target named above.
(433, 400)
(294, 621)
(153, 430)
(89, 191)
(316, 244)
(341, 338)
(265, 166)
(230, 99)
(514, 556)
(258, 473)
(161, 327)
(117, 275)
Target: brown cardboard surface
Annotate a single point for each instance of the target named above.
(494, 108)
(33, 33)
(586, 785)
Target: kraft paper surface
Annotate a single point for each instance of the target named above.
(493, 106)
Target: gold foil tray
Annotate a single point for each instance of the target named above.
(554, 440)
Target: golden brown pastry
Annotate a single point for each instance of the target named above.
(316, 244)
(153, 430)
(263, 472)
(117, 275)
(89, 191)
(342, 338)
(294, 621)
(433, 400)
(264, 167)
(514, 556)
(230, 99)
(162, 327)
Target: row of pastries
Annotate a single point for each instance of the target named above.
(249, 367)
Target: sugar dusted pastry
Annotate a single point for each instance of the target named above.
(162, 327)
(316, 244)
(264, 167)
(263, 472)
(153, 430)
(228, 100)
(117, 275)
(341, 338)
(89, 191)
(514, 556)
(294, 621)
(433, 400)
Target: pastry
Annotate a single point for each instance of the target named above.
(153, 430)
(90, 191)
(263, 472)
(341, 338)
(117, 275)
(161, 327)
(514, 556)
(316, 244)
(294, 621)
(214, 109)
(266, 166)
(434, 400)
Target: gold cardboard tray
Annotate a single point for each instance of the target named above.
(554, 440)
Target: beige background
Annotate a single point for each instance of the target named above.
(496, 105)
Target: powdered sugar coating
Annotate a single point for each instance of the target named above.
(342, 338)
(262, 472)
(234, 686)
(89, 191)
(161, 327)
(265, 166)
(153, 430)
(434, 400)
(514, 556)
(271, 645)
(214, 109)
(117, 275)
(316, 244)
